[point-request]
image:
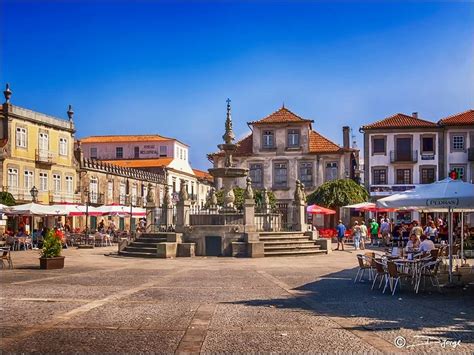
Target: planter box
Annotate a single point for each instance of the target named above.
(52, 263)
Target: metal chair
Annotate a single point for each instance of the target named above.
(395, 276)
(6, 257)
(364, 264)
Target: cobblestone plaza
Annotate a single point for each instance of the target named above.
(290, 304)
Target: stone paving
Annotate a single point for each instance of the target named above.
(188, 305)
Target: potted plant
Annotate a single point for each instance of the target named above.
(51, 253)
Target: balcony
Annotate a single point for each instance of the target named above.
(44, 157)
(403, 157)
(19, 194)
(470, 154)
(96, 198)
(61, 197)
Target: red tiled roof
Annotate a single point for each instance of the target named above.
(460, 119)
(244, 148)
(400, 120)
(283, 115)
(203, 175)
(141, 163)
(320, 144)
(124, 138)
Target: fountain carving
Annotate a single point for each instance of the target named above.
(228, 172)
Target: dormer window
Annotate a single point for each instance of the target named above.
(293, 138)
(268, 139)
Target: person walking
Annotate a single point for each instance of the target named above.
(363, 235)
(385, 230)
(374, 231)
(341, 231)
(356, 235)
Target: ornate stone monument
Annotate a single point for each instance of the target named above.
(228, 172)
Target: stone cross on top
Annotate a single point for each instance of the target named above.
(229, 135)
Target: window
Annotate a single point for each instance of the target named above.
(69, 184)
(43, 142)
(256, 174)
(119, 152)
(134, 195)
(43, 177)
(293, 138)
(110, 190)
(174, 185)
(306, 173)
(427, 144)
(28, 180)
(331, 171)
(268, 139)
(427, 175)
(378, 146)
(458, 142)
(136, 152)
(163, 151)
(281, 175)
(56, 182)
(379, 177)
(460, 171)
(21, 137)
(94, 190)
(93, 153)
(144, 191)
(122, 192)
(12, 178)
(62, 146)
(403, 176)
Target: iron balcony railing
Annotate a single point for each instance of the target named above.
(44, 156)
(402, 156)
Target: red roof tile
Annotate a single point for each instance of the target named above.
(124, 138)
(400, 120)
(283, 115)
(460, 119)
(244, 148)
(203, 175)
(320, 144)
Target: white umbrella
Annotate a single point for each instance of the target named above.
(35, 209)
(121, 210)
(361, 205)
(445, 195)
(76, 210)
(4, 209)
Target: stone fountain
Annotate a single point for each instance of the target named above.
(228, 173)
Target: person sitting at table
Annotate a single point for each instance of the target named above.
(413, 243)
(426, 244)
(431, 231)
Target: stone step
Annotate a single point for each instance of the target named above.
(150, 240)
(288, 243)
(291, 247)
(285, 238)
(144, 244)
(140, 249)
(138, 254)
(280, 233)
(294, 253)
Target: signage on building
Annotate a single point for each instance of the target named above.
(427, 157)
(149, 149)
(442, 202)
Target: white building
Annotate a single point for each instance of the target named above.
(403, 151)
(152, 153)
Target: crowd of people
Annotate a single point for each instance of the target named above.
(408, 235)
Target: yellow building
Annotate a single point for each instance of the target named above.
(37, 150)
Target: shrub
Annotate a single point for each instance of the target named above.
(52, 244)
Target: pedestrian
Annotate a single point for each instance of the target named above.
(385, 230)
(341, 231)
(356, 235)
(363, 235)
(374, 231)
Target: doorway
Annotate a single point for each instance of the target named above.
(213, 246)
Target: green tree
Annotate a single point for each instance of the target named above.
(239, 197)
(338, 193)
(7, 198)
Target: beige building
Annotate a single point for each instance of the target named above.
(283, 147)
(37, 150)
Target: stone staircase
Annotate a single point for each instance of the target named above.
(145, 246)
(288, 244)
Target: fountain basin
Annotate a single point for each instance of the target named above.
(228, 172)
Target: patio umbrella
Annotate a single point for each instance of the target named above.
(35, 209)
(445, 195)
(4, 209)
(315, 209)
(121, 210)
(73, 210)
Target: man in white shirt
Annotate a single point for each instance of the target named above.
(426, 244)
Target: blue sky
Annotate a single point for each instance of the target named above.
(131, 67)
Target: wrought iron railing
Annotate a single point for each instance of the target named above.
(410, 156)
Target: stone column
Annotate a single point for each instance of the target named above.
(167, 209)
(300, 209)
(182, 209)
(249, 214)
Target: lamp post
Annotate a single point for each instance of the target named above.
(34, 196)
(131, 210)
(86, 231)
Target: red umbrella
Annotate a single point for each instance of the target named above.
(315, 209)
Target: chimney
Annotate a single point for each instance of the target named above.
(345, 137)
(415, 114)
